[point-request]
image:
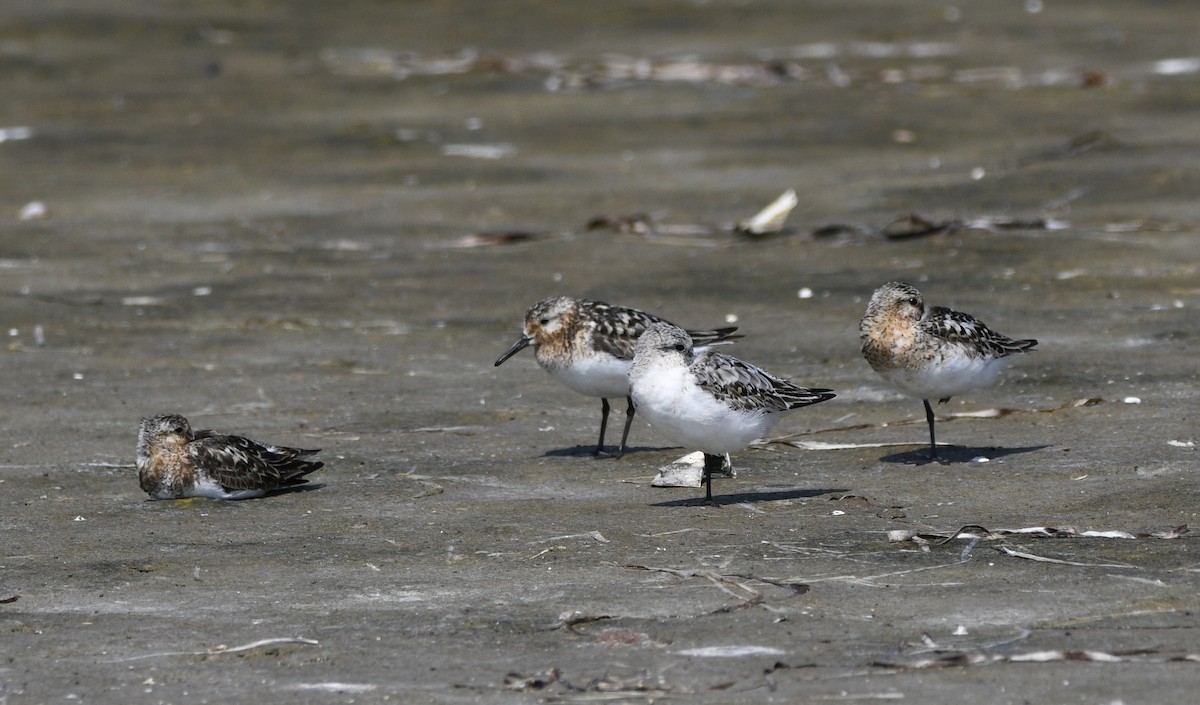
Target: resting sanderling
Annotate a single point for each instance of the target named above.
(173, 462)
(930, 353)
(706, 400)
(588, 345)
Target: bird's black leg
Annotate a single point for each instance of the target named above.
(628, 422)
(929, 418)
(712, 463)
(603, 426)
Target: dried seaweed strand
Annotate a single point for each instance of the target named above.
(977, 658)
(719, 580)
(222, 649)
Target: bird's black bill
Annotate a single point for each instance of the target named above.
(522, 343)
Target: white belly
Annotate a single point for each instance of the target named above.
(688, 416)
(595, 376)
(207, 488)
(954, 375)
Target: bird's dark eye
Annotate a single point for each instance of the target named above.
(177, 429)
(544, 321)
(679, 347)
(914, 301)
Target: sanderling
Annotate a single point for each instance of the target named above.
(930, 353)
(174, 462)
(588, 345)
(706, 400)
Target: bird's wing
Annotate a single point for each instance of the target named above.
(749, 388)
(965, 329)
(615, 330)
(238, 463)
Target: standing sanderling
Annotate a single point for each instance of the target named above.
(588, 345)
(930, 353)
(705, 400)
(174, 462)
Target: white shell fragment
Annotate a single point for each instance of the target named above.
(34, 210)
(731, 651)
(770, 220)
(479, 151)
(9, 134)
(688, 471)
(141, 301)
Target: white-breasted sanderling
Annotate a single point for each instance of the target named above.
(173, 462)
(931, 353)
(706, 400)
(588, 346)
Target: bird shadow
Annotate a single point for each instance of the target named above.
(747, 497)
(305, 486)
(609, 452)
(948, 455)
(299, 487)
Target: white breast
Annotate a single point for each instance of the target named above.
(953, 375)
(668, 398)
(597, 375)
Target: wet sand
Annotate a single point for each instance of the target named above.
(276, 220)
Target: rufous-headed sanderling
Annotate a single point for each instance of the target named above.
(173, 461)
(588, 346)
(931, 353)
